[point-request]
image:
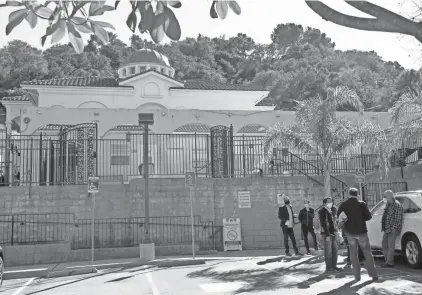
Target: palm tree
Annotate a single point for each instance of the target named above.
(320, 130)
(406, 118)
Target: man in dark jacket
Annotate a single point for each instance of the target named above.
(357, 214)
(327, 218)
(306, 218)
(287, 221)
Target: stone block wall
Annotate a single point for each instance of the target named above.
(213, 200)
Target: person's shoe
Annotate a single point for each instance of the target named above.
(316, 248)
(337, 268)
(386, 265)
(348, 262)
(298, 253)
(357, 279)
(308, 252)
(375, 278)
(288, 254)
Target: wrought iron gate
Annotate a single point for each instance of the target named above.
(222, 160)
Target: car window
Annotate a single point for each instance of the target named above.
(378, 209)
(408, 205)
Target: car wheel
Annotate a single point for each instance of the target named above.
(1, 271)
(413, 252)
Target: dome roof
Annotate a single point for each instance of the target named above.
(148, 56)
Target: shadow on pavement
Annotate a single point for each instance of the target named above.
(258, 279)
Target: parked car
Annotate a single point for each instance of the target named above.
(409, 241)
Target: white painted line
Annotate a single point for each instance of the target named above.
(152, 284)
(18, 291)
(26, 270)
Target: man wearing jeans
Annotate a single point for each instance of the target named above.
(327, 218)
(391, 225)
(357, 214)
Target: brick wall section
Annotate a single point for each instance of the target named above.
(214, 199)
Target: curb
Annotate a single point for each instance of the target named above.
(72, 272)
(174, 263)
(25, 274)
(47, 273)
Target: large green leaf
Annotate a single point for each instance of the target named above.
(49, 31)
(235, 7)
(11, 3)
(59, 34)
(174, 3)
(15, 18)
(157, 30)
(132, 21)
(98, 8)
(147, 16)
(171, 25)
(43, 11)
(32, 19)
(82, 25)
(75, 38)
(104, 25)
(101, 33)
(222, 8)
(213, 11)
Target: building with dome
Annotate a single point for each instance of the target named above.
(71, 128)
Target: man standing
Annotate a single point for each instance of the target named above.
(357, 214)
(392, 223)
(286, 216)
(306, 218)
(327, 215)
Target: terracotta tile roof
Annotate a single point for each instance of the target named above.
(192, 128)
(112, 82)
(253, 128)
(15, 98)
(76, 81)
(129, 128)
(212, 85)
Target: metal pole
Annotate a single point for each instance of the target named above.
(146, 190)
(191, 220)
(360, 191)
(92, 228)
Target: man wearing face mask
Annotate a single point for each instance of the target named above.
(327, 218)
(306, 218)
(287, 219)
(391, 225)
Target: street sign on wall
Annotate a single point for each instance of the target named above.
(93, 185)
(190, 179)
(360, 175)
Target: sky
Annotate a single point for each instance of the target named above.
(258, 19)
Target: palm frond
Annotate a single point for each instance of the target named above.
(343, 96)
(292, 136)
(408, 107)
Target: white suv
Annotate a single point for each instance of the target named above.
(409, 241)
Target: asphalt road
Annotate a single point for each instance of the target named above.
(240, 275)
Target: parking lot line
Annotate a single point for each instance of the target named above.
(152, 284)
(18, 291)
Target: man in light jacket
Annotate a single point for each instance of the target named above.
(287, 221)
(391, 225)
(306, 218)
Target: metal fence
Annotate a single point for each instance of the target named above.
(373, 192)
(128, 232)
(51, 160)
(18, 229)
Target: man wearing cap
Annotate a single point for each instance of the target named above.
(287, 220)
(391, 225)
(306, 218)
